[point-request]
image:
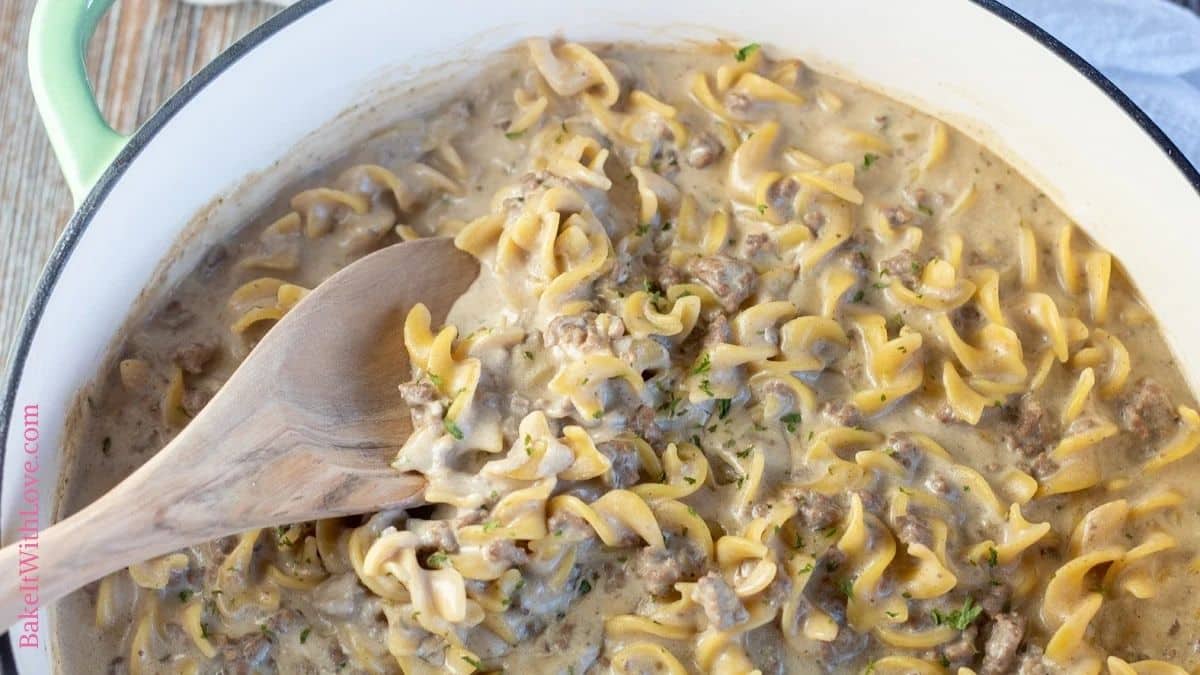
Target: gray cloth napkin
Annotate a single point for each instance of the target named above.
(1149, 48)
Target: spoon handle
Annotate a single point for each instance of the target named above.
(45, 566)
(178, 497)
(183, 496)
(306, 428)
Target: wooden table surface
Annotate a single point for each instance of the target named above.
(141, 53)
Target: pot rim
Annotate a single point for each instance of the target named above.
(80, 220)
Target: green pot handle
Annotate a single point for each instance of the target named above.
(83, 142)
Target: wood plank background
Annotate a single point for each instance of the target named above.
(143, 51)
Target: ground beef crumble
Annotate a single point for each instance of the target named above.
(660, 569)
(730, 280)
(1147, 410)
(721, 605)
(1032, 430)
(903, 267)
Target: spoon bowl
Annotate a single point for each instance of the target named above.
(305, 428)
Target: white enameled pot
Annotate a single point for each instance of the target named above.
(290, 83)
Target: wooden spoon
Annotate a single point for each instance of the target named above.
(305, 428)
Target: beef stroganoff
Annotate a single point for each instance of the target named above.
(764, 372)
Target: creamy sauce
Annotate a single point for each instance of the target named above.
(764, 371)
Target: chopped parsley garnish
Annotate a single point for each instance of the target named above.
(799, 544)
(689, 480)
(741, 481)
(643, 229)
(528, 355)
(762, 209)
(806, 569)
(960, 618)
(598, 414)
(925, 209)
(452, 429)
(869, 159)
(692, 512)
(992, 556)
(651, 288)
(791, 421)
(435, 379)
(706, 387)
(185, 595)
(671, 405)
(858, 296)
(491, 525)
(745, 52)
(846, 586)
(513, 135)
(830, 532)
(528, 445)
(723, 408)
(304, 635)
(585, 587)
(437, 560)
(267, 632)
(204, 630)
(743, 454)
(475, 663)
(883, 397)
(703, 366)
